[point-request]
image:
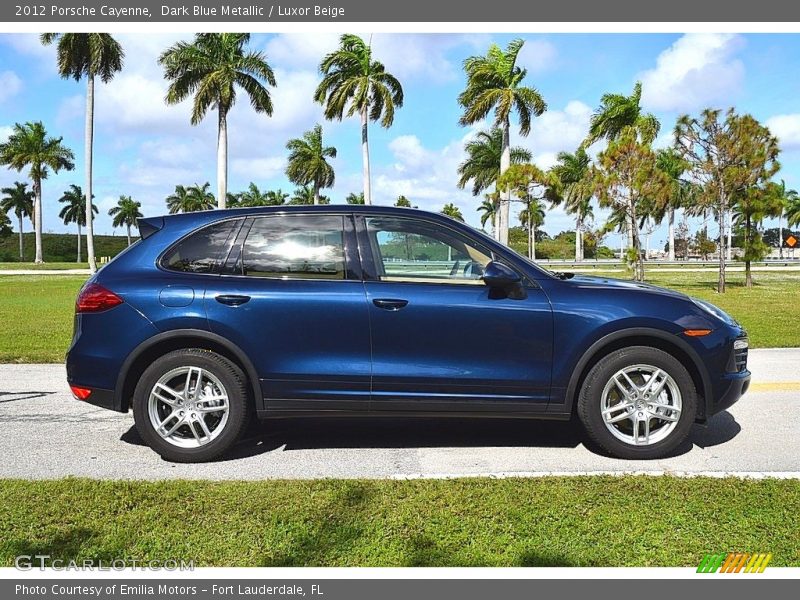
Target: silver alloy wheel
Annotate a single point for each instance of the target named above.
(188, 407)
(641, 405)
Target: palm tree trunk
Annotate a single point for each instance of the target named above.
(128, 225)
(88, 144)
(780, 234)
(21, 242)
(79, 243)
(222, 159)
(532, 234)
(365, 157)
(721, 244)
(505, 197)
(730, 236)
(316, 193)
(578, 253)
(37, 220)
(671, 249)
(748, 240)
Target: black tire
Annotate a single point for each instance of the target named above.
(590, 397)
(231, 377)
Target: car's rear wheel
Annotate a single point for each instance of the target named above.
(638, 403)
(191, 405)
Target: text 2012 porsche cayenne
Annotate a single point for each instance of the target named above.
(328, 310)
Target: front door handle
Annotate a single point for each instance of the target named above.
(390, 303)
(232, 299)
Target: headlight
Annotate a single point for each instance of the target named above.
(715, 311)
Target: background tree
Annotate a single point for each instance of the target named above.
(352, 81)
(792, 211)
(574, 173)
(403, 202)
(305, 195)
(452, 211)
(749, 209)
(126, 212)
(626, 177)
(5, 225)
(618, 113)
(192, 199)
(353, 198)
(703, 245)
(74, 210)
(785, 198)
(670, 162)
(482, 165)
(253, 196)
(19, 200)
(87, 55)
(308, 164)
(210, 69)
(494, 82)
(30, 147)
(727, 158)
(531, 185)
(532, 218)
(488, 209)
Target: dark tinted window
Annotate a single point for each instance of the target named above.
(203, 250)
(295, 246)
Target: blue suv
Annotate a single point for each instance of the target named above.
(345, 310)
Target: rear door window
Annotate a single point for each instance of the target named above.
(202, 251)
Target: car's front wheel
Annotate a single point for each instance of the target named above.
(191, 405)
(638, 403)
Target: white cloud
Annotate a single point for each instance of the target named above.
(300, 50)
(697, 70)
(556, 131)
(538, 55)
(258, 169)
(10, 85)
(787, 130)
(5, 132)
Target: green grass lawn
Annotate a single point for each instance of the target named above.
(36, 311)
(569, 521)
(48, 266)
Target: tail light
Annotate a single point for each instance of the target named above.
(81, 393)
(95, 298)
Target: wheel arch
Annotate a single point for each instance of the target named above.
(159, 345)
(642, 336)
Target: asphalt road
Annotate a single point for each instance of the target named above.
(47, 434)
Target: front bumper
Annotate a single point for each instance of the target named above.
(732, 387)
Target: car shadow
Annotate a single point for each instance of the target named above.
(307, 433)
(15, 396)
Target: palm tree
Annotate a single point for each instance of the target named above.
(785, 199)
(353, 198)
(253, 196)
(574, 172)
(484, 154)
(126, 212)
(191, 199)
(532, 217)
(210, 69)
(488, 209)
(494, 82)
(307, 161)
(618, 112)
(793, 211)
(354, 82)
(305, 195)
(19, 200)
(671, 163)
(29, 147)
(452, 211)
(403, 202)
(74, 210)
(87, 55)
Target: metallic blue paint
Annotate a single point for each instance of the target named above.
(365, 346)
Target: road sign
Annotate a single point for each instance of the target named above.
(791, 241)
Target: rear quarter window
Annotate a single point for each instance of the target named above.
(202, 251)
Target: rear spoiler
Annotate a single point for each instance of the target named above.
(148, 226)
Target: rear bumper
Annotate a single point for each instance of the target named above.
(733, 387)
(103, 399)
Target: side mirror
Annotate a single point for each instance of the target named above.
(499, 276)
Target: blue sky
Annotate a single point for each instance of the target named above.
(144, 148)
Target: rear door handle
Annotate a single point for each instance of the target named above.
(390, 303)
(232, 299)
